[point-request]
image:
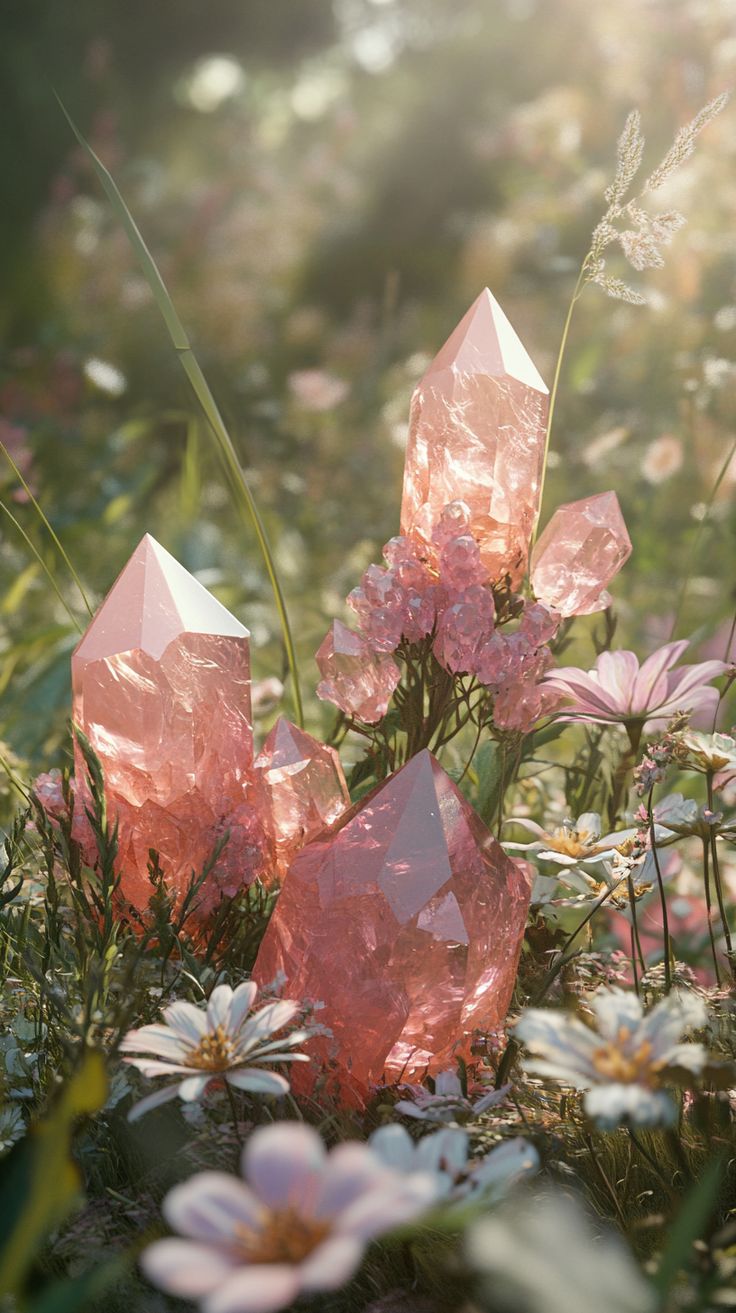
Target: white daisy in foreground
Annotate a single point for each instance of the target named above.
(624, 1064)
(445, 1155)
(708, 752)
(299, 1222)
(543, 1256)
(225, 1041)
(571, 842)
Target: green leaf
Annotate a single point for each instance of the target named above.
(40, 1181)
(689, 1224)
(489, 770)
(239, 486)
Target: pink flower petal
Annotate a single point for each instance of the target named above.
(351, 1170)
(182, 1267)
(262, 1288)
(681, 683)
(576, 684)
(284, 1163)
(332, 1264)
(212, 1206)
(647, 691)
(617, 672)
(388, 1206)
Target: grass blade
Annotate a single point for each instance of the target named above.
(43, 565)
(243, 496)
(42, 516)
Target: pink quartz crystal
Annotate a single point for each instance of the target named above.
(354, 677)
(477, 433)
(161, 683)
(299, 789)
(583, 546)
(406, 921)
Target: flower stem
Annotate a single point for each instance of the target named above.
(662, 899)
(236, 1122)
(717, 876)
(706, 883)
(555, 386)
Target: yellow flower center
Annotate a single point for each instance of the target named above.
(614, 1064)
(572, 843)
(286, 1237)
(214, 1052)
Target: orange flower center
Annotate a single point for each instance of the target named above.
(214, 1052)
(615, 1064)
(286, 1237)
(572, 843)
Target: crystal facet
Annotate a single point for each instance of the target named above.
(299, 788)
(161, 684)
(583, 546)
(406, 921)
(358, 680)
(477, 433)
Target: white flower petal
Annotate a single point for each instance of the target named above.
(188, 1022)
(158, 1040)
(152, 1101)
(154, 1067)
(616, 1009)
(557, 1036)
(218, 1007)
(257, 1082)
(242, 1001)
(392, 1204)
(442, 1151)
(261, 1288)
(614, 1105)
(503, 1167)
(350, 1172)
(394, 1146)
(284, 1164)
(447, 1085)
(194, 1086)
(212, 1206)
(182, 1267)
(265, 1022)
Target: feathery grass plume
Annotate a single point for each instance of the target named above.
(644, 234)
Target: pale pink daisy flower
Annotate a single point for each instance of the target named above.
(299, 1222)
(225, 1041)
(620, 691)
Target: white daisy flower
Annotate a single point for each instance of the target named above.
(624, 1064)
(298, 1223)
(709, 752)
(445, 1155)
(225, 1041)
(448, 1103)
(544, 1256)
(571, 842)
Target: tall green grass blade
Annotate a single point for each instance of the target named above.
(42, 563)
(243, 496)
(42, 516)
(695, 552)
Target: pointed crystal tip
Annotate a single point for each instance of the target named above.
(152, 602)
(484, 342)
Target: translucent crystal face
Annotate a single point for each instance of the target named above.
(580, 551)
(477, 433)
(161, 685)
(406, 921)
(299, 788)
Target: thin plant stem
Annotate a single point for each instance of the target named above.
(693, 555)
(651, 1161)
(234, 1112)
(662, 899)
(607, 1185)
(44, 520)
(708, 910)
(634, 970)
(239, 486)
(555, 386)
(29, 543)
(717, 876)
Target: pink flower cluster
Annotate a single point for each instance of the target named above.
(413, 597)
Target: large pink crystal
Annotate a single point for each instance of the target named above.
(358, 680)
(583, 546)
(299, 789)
(406, 921)
(477, 434)
(161, 684)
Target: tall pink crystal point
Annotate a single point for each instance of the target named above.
(583, 546)
(358, 680)
(299, 787)
(161, 683)
(477, 434)
(406, 921)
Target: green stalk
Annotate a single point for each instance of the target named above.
(42, 516)
(555, 386)
(43, 565)
(242, 494)
(693, 556)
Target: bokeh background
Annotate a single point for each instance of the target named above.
(326, 185)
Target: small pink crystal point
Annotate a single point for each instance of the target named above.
(477, 433)
(358, 680)
(161, 683)
(406, 920)
(580, 551)
(299, 787)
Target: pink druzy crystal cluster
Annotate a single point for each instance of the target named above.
(451, 580)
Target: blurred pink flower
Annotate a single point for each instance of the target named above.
(662, 458)
(314, 389)
(620, 691)
(299, 1222)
